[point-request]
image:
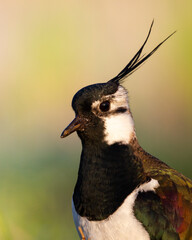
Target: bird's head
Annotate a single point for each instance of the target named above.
(102, 114)
(102, 110)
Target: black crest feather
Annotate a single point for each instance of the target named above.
(137, 60)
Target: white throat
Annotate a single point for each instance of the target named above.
(119, 128)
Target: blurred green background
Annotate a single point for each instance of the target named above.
(51, 49)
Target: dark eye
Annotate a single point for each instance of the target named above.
(104, 106)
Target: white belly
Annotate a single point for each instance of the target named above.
(121, 225)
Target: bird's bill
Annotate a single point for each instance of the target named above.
(75, 125)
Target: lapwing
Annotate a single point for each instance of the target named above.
(122, 192)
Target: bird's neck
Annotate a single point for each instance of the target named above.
(107, 175)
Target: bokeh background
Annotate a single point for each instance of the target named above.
(51, 49)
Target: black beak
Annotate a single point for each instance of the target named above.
(76, 125)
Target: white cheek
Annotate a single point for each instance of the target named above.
(119, 128)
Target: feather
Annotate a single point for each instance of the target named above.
(137, 60)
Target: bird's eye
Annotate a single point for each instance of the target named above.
(104, 106)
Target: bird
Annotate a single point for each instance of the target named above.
(123, 192)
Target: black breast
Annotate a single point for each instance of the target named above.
(106, 177)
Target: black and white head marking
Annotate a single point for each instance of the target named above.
(118, 121)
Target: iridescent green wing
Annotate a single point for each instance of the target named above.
(149, 210)
(175, 192)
